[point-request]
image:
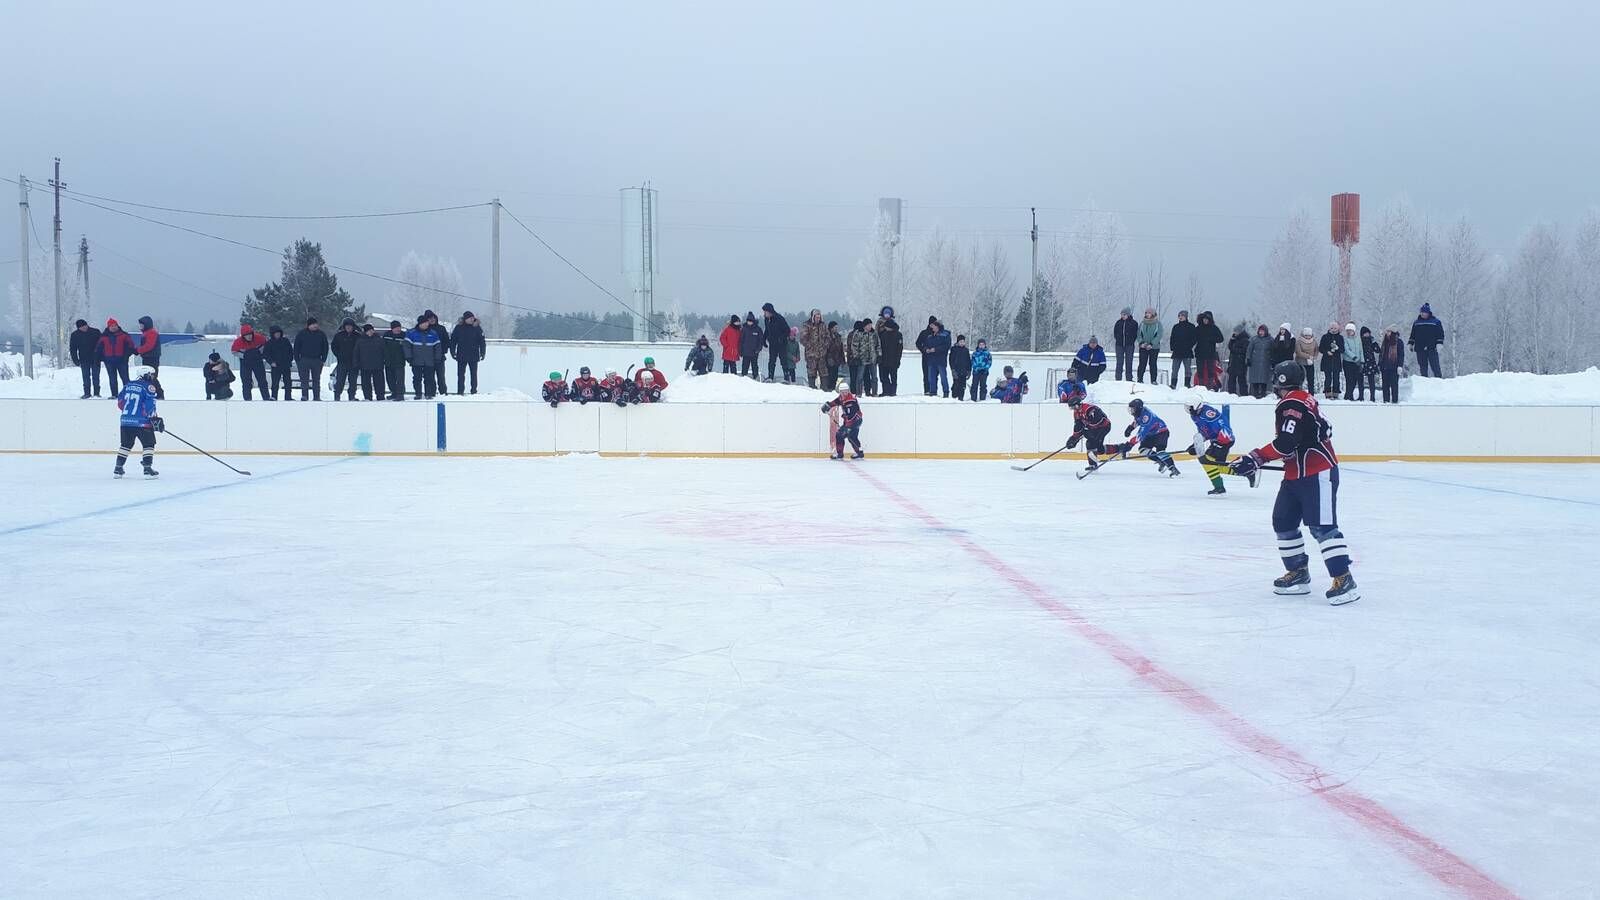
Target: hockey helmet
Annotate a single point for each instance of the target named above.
(1288, 376)
(649, 360)
(555, 376)
(610, 372)
(647, 376)
(584, 371)
(1136, 406)
(144, 373)
(842, 388)
(1193, 401)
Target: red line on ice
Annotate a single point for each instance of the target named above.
(1423, 851)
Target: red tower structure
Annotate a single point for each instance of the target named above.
(1346, 228)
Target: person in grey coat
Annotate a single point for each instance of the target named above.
(1260, 367)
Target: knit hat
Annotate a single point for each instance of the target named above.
(1093, 339)
(1183, 312)
(348, 321)
(275, 330)
(961, 338)
(767, 307)
(468, 315)
(1350, 326)
(1127, 310)
(80, 323)
(312, 320)
(422, 319)
(112, 323)
(1307, 332)
(1285, 327)
(367, 326)
(215, 356)
(395, 323)
(1427, 309)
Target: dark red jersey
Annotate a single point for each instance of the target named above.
(1087, 418)
(1303, 439)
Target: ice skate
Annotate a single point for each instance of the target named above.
(1214, 492)
(862, 454)
(1292, 583)
(1343, 590)
(150, 472)
(117, 472)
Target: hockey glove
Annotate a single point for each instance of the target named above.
(157, 424)
(1073, 441)
(1126, 432)
(1246, 464)
(824, 407)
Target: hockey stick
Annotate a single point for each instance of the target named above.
(202, 452)
(1101, 465)
(1040, 460)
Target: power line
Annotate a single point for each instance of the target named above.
(573, 266)
(100, 245)
(228, 215)
(473, 297)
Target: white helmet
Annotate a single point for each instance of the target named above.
(842, 388)
(144, 373)
(648, 376)
(1193, 400)
(610, 372)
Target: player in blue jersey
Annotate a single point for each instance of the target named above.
(1212, 443)
(139, 421)
(1151, 438)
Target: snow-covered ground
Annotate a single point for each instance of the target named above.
(578, 677)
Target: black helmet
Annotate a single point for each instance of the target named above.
(584, 370)
(1288, 376)
(1136, 406)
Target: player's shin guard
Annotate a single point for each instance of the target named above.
(122, 456)
(1335, 551)
(1215, 473)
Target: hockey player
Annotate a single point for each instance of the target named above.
(849, 422)
(611, 387)
(1303, 439)
(555, 390)
(1212, 443)
(1151, 438)
(1011, 388)
(1090, 424)
(647, 388)
(657, 377)
(585, 388)
(1066, 386)
(139, 421)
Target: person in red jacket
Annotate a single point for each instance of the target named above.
(115, 347)
(149, 350)
(730, 346)
(248, 346)
(650, 385)
(658, 379)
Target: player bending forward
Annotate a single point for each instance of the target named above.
(139, 421)
(850, 419)
(1090, 424)
(1310, 488)
(1212, 443)
(1151, 438)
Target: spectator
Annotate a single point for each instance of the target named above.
(729, 339)
(960, 367)
(891, 345)
(814, 341)
(1427, 333)
(777, 342)
(934, 343)
(1207, 337)
(1351, 362)
(1282, 348)
(833, 356)
(394, 360)
(1011, 388)
(149, 349)
(861, 354)
(791, 356)
(1181, 349)
(344, 359)
(279, 355)
(700, 357)
(441, 352)
(1150, 332)
(1305, 353)
(84, 348)
(1090, 361)
(982, 362)
(869, 372)
(467, 347)
(310, 355)
(1239, 361)
(369, 362)
(218, 376)
(1391, 358)
(1260, 366)
(1369, 364)
(1331, 351)
(751, 340)
(115, 346)
(1125, 338)
(422, 351)
(248, 346)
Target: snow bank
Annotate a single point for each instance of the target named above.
(719, 388)
(1506, 389)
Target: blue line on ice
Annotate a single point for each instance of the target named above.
(1471, 487)
(254, 479)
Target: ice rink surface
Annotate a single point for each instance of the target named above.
(771, 678)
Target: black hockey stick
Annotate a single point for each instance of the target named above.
(1040, 460)
(181, 440)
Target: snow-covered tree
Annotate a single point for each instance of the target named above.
(1463, 297)
(1293, 282)
(883, 276)
(947, 282)
(433, 282)
(991, 312)
(1094, 285)
(42, 278)
(672, 324)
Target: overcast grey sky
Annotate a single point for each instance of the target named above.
(770, 129)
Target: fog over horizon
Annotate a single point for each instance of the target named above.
(770, 132)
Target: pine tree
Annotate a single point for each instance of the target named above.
(306, 290)
(217, 326)
(188, 327)
(1052, 333)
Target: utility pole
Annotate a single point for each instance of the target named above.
(83, 271)
(27, 280)
(58, 184)
(494, 269)
(1033, 304)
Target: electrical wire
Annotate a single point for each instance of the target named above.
(573, 266)
(226, 215)
(101, 246)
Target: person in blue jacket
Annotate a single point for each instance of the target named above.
(982, 362)
(934, 342)
(1427, 333)
(1151, 438)
(139, 422)
(1212, 442)
(422, 350)
(1091, 360)
(1010, 389)
(1070, 385)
